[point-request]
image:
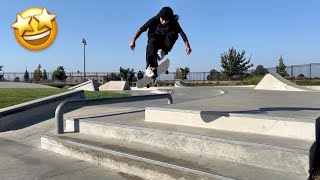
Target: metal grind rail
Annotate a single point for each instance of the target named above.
(76, 104)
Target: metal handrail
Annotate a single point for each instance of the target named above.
(75, 104)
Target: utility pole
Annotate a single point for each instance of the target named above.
(84, 58)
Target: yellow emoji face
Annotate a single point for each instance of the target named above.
(35, 28)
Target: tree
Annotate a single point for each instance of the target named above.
(113, 77)
(1, 75)
(16, 79)
(45, 76)
(223, 76)
(125, 73)
(182, 73)
(213, 76)
(59, 74)
(26, 76)
(37, 74)
(301, 76)
(234, 63)
(260, 71)
(281, 68)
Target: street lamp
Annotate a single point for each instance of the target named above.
(84, 58)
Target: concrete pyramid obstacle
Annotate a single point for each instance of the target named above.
(115, 85)
(274, 81)
(91, 85)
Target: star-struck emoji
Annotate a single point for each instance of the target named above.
(45, 19)
(22, 24)
(35, 28)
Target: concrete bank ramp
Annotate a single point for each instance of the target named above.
(274, 81)
(180, 84)
(91, 85)
(115, 85)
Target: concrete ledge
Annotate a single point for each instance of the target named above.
(264, 125)
(25, 114)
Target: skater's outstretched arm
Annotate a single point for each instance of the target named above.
(133, 42)
(185, 39)
(144, 28)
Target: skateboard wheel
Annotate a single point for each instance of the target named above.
(167, 72)
(148, 86)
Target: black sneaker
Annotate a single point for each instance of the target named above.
(155, 71)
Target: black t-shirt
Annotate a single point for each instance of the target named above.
(156, 28)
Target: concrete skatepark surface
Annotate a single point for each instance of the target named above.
(23, 156)
(23, 85)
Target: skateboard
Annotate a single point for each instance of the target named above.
(162, 68)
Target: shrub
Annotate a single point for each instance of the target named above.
(253, 80)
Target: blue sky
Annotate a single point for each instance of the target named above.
(265, 29)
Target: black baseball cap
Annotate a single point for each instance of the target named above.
(166, 13)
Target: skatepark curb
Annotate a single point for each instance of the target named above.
(32, 112)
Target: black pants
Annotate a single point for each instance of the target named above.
(164, 42)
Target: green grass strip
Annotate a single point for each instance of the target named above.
(102, 94)
(12, 96)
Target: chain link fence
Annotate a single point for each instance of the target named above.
(305, 71)
(311, 70)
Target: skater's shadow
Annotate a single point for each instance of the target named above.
(210, 116)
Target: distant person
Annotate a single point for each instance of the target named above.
(163, 30)
(140, 75)
(130, 79)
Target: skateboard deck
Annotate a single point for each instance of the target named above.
(162, 68)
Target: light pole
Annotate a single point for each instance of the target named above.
(84, 58)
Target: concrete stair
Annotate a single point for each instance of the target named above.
(151, 162)
(126, 142)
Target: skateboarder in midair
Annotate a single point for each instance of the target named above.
(163, 30)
